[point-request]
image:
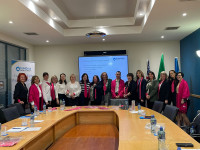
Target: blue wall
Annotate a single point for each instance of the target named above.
(190, 66)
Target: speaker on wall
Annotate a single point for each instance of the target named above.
(111, 52)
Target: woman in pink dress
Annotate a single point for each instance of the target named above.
(35, 96)
(182, 96)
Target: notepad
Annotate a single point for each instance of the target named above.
(32, 129)
(16, 129)
(133, 112)
(38, 121)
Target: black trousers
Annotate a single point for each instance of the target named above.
(150, 104)
(54, 103)
(73, 102)
(63, 97)
(83, 101)
(40, 105)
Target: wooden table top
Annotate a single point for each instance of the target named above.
(132, 132)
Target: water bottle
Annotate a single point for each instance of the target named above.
(153, 124)
(44, 109)
(139, 108)
(192, 130)
(35, 110)
(161, 139)
(63, 104)
(32, 120)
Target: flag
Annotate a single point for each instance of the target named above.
(176, 65)
(148, 69)
(162, 66)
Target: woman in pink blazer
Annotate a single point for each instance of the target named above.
(35, 96)
(182, 96)
(117, 86)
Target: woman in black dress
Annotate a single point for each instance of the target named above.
(21, 91)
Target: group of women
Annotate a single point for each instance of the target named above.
(170, 90)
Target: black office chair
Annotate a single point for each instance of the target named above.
(10, 113)
(170, 112)
(158, 106)
(2, 118)
(19, 108)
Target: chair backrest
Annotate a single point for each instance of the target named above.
(10, 113)
(170, 112)
(158, 106)
(2, 118)
(19, 108)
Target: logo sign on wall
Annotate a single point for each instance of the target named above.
(21, 67)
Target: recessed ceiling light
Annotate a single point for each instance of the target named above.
(47, 41)
(184, 14)
(162, 37)
(36, 0)
(141, 14)
(103, 40)
(11, 22)
(54, 18)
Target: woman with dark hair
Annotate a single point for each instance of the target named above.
(61, 88)
(173, 84)
(182, 96)
(151, 90)
(163, 88)
(35, 96)
(93, 91)
(130, 88)
(21, 91)
(53, 84)
(141, 88)
(104, 89)
(85, 93)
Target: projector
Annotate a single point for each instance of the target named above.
(96, 34)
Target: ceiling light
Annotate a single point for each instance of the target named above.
(36, 0)
(162, 37)
(47, 41)
(103, 40)
(141, 14)
(198, 53)
(54, 18)
(184, 14)
(11, 22)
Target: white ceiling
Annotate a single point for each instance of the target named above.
(120, 19)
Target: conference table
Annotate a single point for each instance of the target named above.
(132, 131)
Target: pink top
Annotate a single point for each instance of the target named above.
(121, 88)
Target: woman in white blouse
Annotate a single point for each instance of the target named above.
(73, 91)
(61, 88)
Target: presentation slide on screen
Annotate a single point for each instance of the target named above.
(110, 64)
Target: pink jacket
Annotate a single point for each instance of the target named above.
(34, 95)
(183, 93)
(121, 88)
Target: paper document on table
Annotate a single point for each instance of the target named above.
(38, 121)
(16, 129)
(33, 129)
(133, 112)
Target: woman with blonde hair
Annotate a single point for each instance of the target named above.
(141, 88)
(73, 91)
(163, 88)
(53, 91)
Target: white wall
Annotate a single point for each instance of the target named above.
(64, 58)
(11, 40)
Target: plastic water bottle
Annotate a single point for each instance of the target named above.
(35, 110)
(32, 120)
(161, 139)
(139, 108)
(63, 104)
(44, 109)
(153, 124)
(192, 130)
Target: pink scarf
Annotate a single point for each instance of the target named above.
(52, 92)
(85, 91)
(172, 87)
(140, 87)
